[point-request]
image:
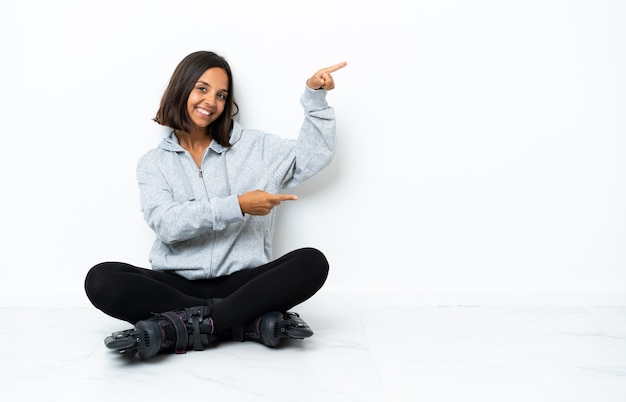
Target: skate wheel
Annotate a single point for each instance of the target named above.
(298, 332)
(121, 341)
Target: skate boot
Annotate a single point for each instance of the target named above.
(177, 331)
(271, 327)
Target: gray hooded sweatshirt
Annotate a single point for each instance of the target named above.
(200, 230)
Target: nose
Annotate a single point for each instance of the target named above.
(209, 99)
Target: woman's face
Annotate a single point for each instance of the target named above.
(207, 100)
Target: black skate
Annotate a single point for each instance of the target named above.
(271, 327)
(173, 331)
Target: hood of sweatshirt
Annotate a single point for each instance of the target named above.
(170, 143)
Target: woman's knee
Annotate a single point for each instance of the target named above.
(316, 262)
(96, 280)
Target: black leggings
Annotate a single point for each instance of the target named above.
(131, 293)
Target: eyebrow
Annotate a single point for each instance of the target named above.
(208, 85)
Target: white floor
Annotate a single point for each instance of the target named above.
(358, 353)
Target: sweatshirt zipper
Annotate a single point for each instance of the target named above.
(206, 191)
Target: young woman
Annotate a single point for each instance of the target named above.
(209, 192)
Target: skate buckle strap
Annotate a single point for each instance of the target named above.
(181, 331)
(194, 317)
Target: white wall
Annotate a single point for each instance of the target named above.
(481, 143)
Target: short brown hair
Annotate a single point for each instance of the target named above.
(173, 109)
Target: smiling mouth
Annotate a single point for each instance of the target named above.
(204, 112)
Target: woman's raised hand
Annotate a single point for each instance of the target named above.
(322, 78)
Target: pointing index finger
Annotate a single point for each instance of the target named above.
(334, 68)
(285, 197)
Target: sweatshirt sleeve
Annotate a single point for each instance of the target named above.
(174, 219)
(315, 146)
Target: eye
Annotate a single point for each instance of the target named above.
(222, 96)
(201, 88)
